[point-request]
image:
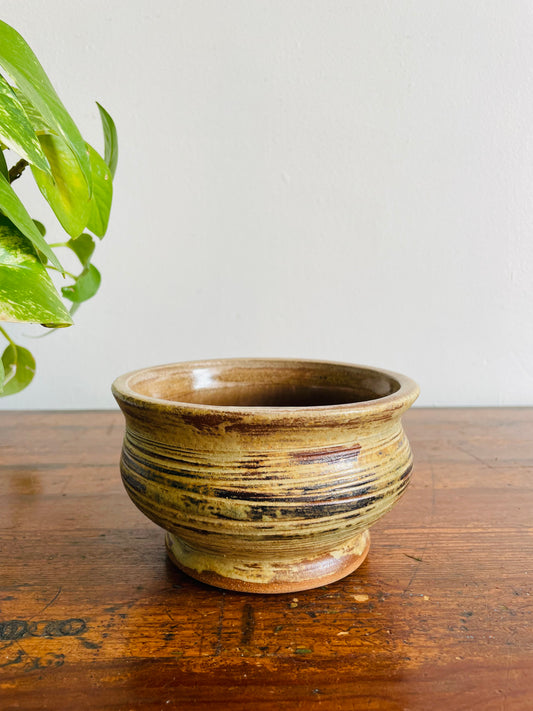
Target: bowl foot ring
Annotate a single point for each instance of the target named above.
(268, 576)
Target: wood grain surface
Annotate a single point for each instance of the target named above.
(94, 616)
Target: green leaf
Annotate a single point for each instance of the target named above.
(102, 194)
(42, 230)
(13, 208)
(34, 116)
(24, 68)
(66, 192)
(110, 140)
(27, 293)
(3, 166)
(83, 248)
(19, 368)
(85, 286)
(16, 131)
(40, 227)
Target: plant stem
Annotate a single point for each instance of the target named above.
(16, 170)
(58, 244)
(6, 336)
(62, 271)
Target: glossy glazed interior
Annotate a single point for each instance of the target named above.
(261, 383)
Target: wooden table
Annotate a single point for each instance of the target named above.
(93, 616)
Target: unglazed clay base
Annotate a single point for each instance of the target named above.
(269, 576)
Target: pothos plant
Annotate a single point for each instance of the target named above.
(36, 132)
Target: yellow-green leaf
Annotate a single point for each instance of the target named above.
(3, 165)
(85, 286)
(13, 208)
(110, 139)
(102, 194)
(18, 365)
(34, 116)
(83, 247)
(15, 129)
(66, 191)
(24, 68)
(27, 293)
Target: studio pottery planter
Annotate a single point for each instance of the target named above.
(266, 474)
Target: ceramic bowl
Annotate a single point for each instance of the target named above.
(266, 474)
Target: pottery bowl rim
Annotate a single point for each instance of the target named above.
(404, 394)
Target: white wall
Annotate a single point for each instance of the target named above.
(350, 180)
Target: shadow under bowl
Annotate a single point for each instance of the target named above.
(265, 473)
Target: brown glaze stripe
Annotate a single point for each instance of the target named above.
(177, 466)
(204, 517)
(320, 489)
